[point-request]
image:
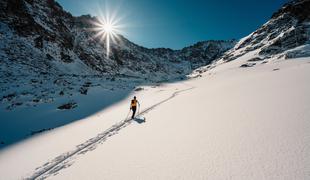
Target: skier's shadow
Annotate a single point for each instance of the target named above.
(139, 120)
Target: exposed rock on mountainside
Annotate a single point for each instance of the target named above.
(43, 35)
(286, 34)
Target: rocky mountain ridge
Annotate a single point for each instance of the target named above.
(65, 43)
(286, 35)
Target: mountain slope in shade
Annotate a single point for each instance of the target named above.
(54, 69)
(44, 46)
(42, 33)
(47, 53)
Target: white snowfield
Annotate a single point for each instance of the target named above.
(232, 123)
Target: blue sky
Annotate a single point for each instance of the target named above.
(179, 23)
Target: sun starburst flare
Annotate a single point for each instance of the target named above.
(107, 27)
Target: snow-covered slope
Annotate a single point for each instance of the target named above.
(238, 124)
(244, 116)
(232, 123)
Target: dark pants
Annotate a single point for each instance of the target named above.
(134, 108)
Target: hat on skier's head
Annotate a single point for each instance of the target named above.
(134, 97)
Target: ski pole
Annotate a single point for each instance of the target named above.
(127, 115)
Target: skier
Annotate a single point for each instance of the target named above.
(133, 106)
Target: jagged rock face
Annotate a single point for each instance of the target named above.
(300, 9)
(288, 28)
(208, 51)
(44, 19)
(45, 36)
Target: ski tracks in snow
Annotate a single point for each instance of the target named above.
(66, 160)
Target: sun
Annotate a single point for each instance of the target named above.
(107, 28)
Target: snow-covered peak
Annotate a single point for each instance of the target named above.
(288, 29)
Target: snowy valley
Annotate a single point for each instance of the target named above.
(214, 110)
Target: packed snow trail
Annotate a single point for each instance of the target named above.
(65, 160)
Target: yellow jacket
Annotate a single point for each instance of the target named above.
(134, 103)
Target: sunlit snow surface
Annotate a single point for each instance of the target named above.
(231, 123)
